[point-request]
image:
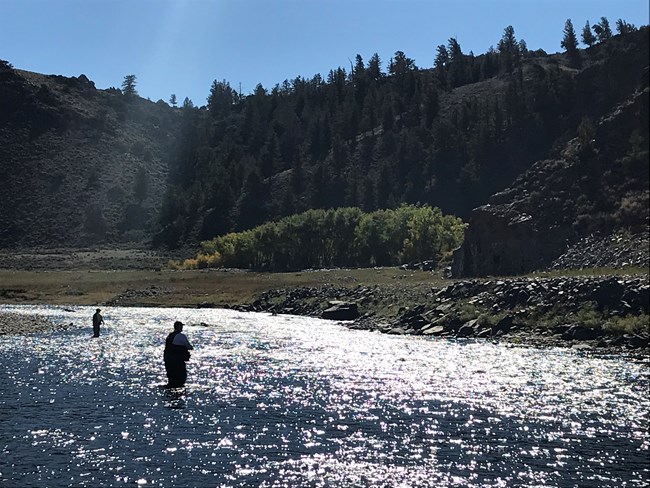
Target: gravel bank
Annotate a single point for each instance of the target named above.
(16, 323)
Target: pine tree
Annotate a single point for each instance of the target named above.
(221, 98)
(587, 36)
(508, 48)
(128, 86)
(440, 64)
(570, 42)
(187, 104)
(374, 68)
(172, 100)
(456, 73)
(602, 30)
(623, 27)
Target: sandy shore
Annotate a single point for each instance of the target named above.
(17, 323)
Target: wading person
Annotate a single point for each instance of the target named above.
(97, 321)
(177, 351)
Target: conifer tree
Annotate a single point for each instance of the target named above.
(623, 27)
(440, 64)
(508, 48)
(374, 68)
(221, 98)
(602, 30)
(128, 86)
(587, 36)
(456, 73)
(570, 42)
(187, 103)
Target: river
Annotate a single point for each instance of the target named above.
(284, 401)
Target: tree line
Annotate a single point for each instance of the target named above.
(591, 35)
(342, 237)
(372, 138)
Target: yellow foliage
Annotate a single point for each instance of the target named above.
(208, 260)
(191, 263)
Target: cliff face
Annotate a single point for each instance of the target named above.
(79, 165)
(598, 185)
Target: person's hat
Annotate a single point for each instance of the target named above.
(177, 323)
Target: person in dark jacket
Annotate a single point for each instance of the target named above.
(177, 351)
(97, 321)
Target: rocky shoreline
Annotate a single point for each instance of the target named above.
(600, 312)
(18, 323)
(609, 313)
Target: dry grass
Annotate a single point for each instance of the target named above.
(185, 288)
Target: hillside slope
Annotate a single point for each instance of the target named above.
(598, 186)
(82, 166)
(79, 165)
(448, 137)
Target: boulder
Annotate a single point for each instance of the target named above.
(467, 329)
(503, 326)
(341, 311)
(435, 330)
(608, 294)
(581, 333)
(396, 331)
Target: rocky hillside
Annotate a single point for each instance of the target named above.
(79, 165)
(595, 187)
(567, 139)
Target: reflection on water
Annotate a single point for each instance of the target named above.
(277, 401)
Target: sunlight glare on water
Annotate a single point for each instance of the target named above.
(282, 401)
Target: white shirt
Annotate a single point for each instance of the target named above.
(180, 339)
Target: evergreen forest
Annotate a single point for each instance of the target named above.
(383, 134)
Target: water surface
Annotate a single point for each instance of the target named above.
(280, 401)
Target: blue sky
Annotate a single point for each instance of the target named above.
(181, 46)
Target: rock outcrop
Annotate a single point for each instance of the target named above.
(597, 186)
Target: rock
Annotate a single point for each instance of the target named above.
(467, 330)
(396, 331)
(608, 294)
(638, 341)
(443, 308)
(503, 326)
(433, 330)
(561, 329)
(581, 333)
(341, 311)
(484, 333)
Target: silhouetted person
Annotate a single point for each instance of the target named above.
(97, 321)
(177, 351)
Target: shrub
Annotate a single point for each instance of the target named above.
(208, 260)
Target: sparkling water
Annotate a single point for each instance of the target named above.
(283, 401)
